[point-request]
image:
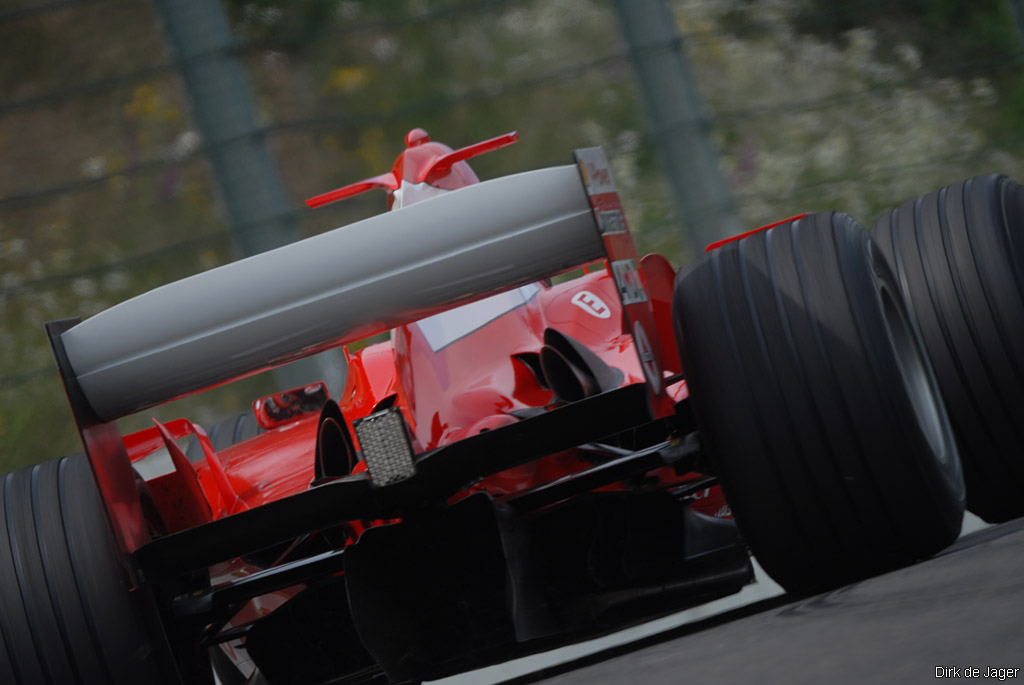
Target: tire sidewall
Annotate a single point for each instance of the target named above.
(941, 475)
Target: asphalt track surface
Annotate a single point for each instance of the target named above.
(963, 609)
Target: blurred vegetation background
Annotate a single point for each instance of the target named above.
(106, 188)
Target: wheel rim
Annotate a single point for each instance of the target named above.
(918, 380)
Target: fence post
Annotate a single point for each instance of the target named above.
(681, 129)
(249, 184)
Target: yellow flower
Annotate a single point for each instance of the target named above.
(149, 104)
(345, 80)
(144, 102)
(209, 259)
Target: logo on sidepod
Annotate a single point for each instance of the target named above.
(591, 304)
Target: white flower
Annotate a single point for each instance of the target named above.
(114, 281)
(83, 287)
(981, 89)
(94, 167)
(384, 49)
(909, 55)
(185, 144)
(347, 10)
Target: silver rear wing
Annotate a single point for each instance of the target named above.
(337, 287)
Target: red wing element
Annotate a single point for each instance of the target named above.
(384, 181)
(442, 166)
(741, 236)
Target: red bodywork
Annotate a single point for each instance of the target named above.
(453, 375)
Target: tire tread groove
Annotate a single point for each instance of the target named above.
(76, 568)
(19, 571)
(46, 562)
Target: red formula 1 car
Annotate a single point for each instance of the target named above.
(523, 463)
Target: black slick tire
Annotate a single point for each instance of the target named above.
(959, 256)
(816, 404)
(66, 613)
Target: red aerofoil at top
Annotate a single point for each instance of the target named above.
(423, 162)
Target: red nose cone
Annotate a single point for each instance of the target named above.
(415, 137)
